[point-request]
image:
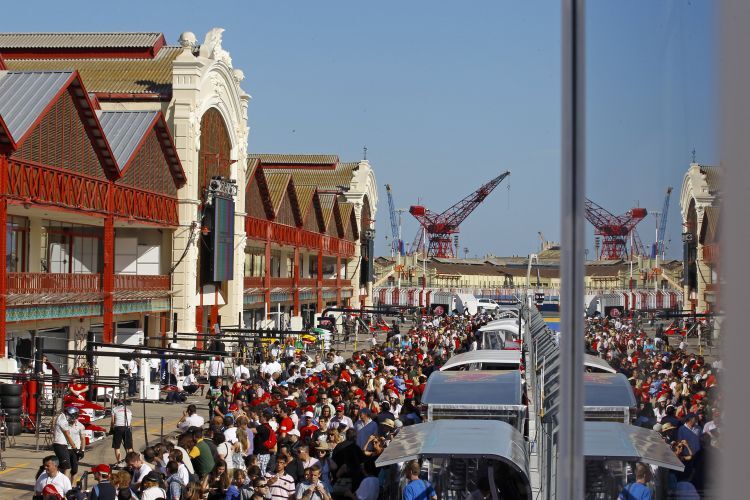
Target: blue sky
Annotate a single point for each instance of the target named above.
(446, 95)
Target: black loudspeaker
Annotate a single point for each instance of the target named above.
(367, 267)
(23, 349)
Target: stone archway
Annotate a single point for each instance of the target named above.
(214, 156)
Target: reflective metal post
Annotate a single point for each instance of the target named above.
(570, 465)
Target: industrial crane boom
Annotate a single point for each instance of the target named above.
(441, 226)
(397, 246)
(660, 244)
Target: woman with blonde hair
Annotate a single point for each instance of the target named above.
(241, 451)
(120, 479)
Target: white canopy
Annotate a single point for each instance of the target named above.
(512, 358)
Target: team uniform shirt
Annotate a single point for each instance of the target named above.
(62, 425)
(189, 380)
(60, 482)
(215, 368)
(122, 415)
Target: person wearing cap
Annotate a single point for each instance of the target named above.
(69, 441)
(103, 490)
(340, 419)
(52, 477)
(309, 428)
(150, 487)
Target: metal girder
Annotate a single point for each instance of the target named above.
(441, 226)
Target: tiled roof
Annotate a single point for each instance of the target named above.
(125, 130)
(277, 184)
(304, 198)
(114, 76)
(713, 177)
(340, 176)
(77, 40)
(292, 159)
(327, 203)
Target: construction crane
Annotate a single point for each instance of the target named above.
(397, 244)
(659, 246)
(615, 230)
(440, 228)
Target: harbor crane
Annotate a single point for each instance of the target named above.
(397, 244)
(659, 246)
(439, 229)
(615, 229)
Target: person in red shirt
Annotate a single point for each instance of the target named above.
(286, 424)
(308, 429)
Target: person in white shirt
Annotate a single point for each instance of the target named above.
(240, 370)
(190, 418)
(215, 369)
(52, 476)
(190, 384)
(122, 432)
(139, 467)
(68, 440)
(271, 367)
(132, 374)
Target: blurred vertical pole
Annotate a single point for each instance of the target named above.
(734, 61)
(570, 470)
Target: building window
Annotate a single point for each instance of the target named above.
(16, 244)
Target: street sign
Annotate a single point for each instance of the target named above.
(539, 298)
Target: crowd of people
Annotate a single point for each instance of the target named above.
(292, 425)
(676, 391)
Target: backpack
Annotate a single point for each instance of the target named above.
(270, 443)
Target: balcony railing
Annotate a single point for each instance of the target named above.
(53, 283)
(254, 282)
(141, 283)
(308, 281)
(330, 283)
(288, 235)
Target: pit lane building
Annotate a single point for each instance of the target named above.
(109, 143)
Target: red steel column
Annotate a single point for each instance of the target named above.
(295, 284)
(320, 276)
(108, 277)
(267, 277)
(3, 243)
(338, 280)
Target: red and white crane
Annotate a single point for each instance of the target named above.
(440, 229)
(615, 230)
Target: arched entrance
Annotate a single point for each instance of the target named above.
(367, 246)
(214, 159)
(690, 250)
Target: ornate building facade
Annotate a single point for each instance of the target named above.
(107, 169)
